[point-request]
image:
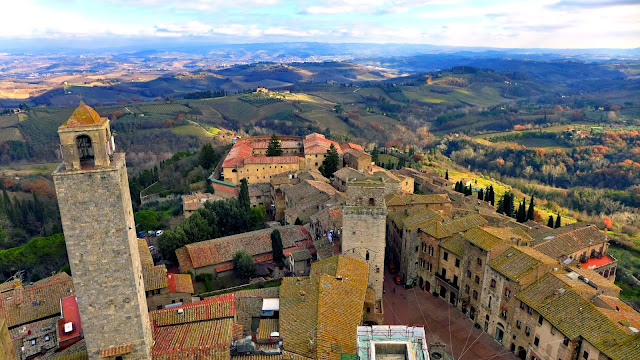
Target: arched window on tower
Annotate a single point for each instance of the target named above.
(85, 150)
(367, 256)
(372, 202)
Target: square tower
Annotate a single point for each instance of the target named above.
(97, 219)
(364, 219)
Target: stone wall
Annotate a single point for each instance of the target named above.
(97, 219)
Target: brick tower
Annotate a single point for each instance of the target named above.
(364, 228)
(97, 219)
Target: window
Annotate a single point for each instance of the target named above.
(457, 262)
(540, 318)
(430, 250)
(507, 292)
(489, 302)
(527, 331)
(536, 341)
(367, 256)
(530, 310)
(504, 313)
(424, 246)
(477, 279)
(585, 355)
(445, 256)
(468, 273)
(493, 283)
(368, 309)
(416, 248)
(519, 324)
(522, 305)
(475, 294)
(565, 342)
(444, 273)
(466, 289)
(33, 342)
(479, 261)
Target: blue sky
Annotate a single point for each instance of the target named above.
(515, 23)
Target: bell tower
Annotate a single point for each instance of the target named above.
(97, 219)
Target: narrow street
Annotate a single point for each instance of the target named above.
(442, 322)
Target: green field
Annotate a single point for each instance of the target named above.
(191, 130)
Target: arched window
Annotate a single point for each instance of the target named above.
(367, 256)
(85, 150)
(493, 283)
(612, 271)
(372, 202)
(606, 273)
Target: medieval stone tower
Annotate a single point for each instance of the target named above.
(99, 230)
(364, 227)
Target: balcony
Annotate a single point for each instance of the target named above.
(447, 281)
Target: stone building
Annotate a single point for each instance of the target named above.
(247, 158)
(193, 202)
(363, 229)
(440, 203)
(355, 157)
(431, 236)
(6, 347)
(403, 240)
(97, 219)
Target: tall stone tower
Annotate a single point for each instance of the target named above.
(364, 219)
(99, 230)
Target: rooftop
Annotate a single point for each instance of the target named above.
(222, 249)
(326, 307)
(83, 115)
(217, 307)
(594, 262)
(441, 230)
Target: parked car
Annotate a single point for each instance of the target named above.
(397, 280)
(159, 232)
(152, 248)
(393, 268)
(142, 234)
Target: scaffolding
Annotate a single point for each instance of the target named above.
(410, 339)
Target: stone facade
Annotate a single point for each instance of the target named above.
(363, 229)
(97, 219)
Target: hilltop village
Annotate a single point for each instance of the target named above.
(352, 234)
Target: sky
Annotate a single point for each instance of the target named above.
(486, 23)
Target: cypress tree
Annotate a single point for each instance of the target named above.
(550, 222)
(522, 213)
(243, 196)
(277, 248)
(531, 211)
(558, 221)
(274, 148)
(481, 194)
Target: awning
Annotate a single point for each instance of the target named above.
(271, 304)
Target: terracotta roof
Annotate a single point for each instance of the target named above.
(455, 244)
(17, 307)
(115, 351)
(10, 285)
(415, 199)
(145, 255)
(77, 351)
(482, 238)
(441, 230)
(220, 250)
(266, 327)
(217, 307)
(84, 115)
(155, 277)
(330, 218)
(346, 146)
(326, 306)
(575, 316)
(516, 264)
(202, 340)
(570, 242)
(237, 154)
(317, 144)
(180, 283)
(620, 312)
